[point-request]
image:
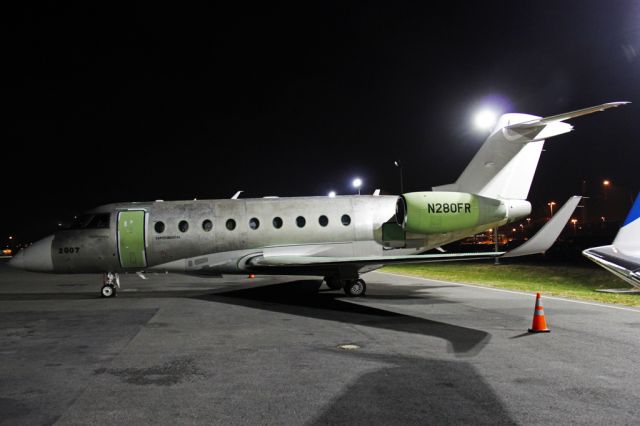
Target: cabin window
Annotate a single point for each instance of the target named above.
(159, 227)
(277, 222)
(301, 221)
(345, 219)
(207, 225)
(231, 224)
(323, 220)
(183, 226)
(99, 221)
(254, 223)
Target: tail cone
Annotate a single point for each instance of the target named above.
(539, 323)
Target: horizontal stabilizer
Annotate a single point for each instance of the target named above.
(549, 233)
(572, 114)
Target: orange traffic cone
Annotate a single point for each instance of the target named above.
(539, 323)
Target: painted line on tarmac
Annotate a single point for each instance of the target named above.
(602, 305)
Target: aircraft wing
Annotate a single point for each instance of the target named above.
(539, 243)
(622, 258)
(366, 260)
(624, 267)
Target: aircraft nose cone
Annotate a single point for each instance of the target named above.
(36, 258)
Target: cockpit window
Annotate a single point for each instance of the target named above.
(91, 221)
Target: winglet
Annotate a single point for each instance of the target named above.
(546, 236)
(236, 195)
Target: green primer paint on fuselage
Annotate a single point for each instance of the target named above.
(438, 212)
(131, 244)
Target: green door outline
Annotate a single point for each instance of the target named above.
(131, 239)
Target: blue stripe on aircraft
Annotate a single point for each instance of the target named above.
(634, 213)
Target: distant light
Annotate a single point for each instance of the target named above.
(332, 194)
(396, 164)
(485, 119)
(606, 182)
(357, 183)
(11, 237)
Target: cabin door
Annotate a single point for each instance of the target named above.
(131, 239)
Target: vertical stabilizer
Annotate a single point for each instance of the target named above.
(627, 240)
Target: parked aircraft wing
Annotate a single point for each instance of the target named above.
(539, 243)
(622, 258)
(624, 267)
(282, 261)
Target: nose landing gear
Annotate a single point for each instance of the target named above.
(111, 284)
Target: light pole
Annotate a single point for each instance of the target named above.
(496, 260)
(551, 204)
(357, 183)
(399, 166)
(605, 185)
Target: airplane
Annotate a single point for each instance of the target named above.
(336, 238)
(622, 258)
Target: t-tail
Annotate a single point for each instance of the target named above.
(505, 165)
(622, 258)
(492, 191)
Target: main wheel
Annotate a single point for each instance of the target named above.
(108, 290)
(355, 288)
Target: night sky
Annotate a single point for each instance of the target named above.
(171, 102)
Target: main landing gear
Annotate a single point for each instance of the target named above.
(111, 284)
(352, 288)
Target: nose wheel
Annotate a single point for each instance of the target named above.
(355, 288)
(111, 284)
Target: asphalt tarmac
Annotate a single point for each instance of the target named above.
(183, 350)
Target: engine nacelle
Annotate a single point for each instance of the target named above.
(440, 212)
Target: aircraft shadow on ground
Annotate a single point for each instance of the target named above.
(411, 390)
(301, 298)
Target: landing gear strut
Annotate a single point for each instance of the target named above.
(111, 284)
(334, 283)
(355, 288)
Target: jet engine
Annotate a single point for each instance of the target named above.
(440, 212)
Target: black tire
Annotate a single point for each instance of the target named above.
(355, 288)
(333, 283)
(108, 290)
